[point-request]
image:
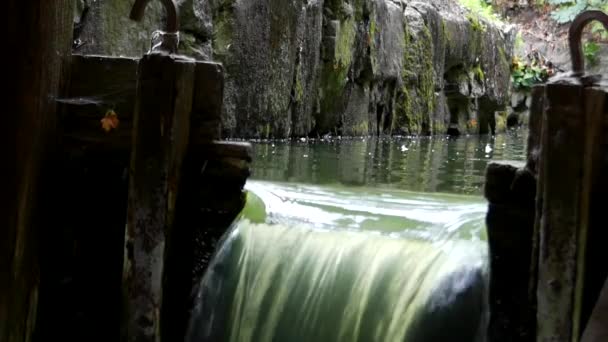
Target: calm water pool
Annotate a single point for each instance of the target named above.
(425, 164)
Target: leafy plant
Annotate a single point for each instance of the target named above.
(526, 74)
(481, 8)
(591, 50)
(566, 10)
(598, 31)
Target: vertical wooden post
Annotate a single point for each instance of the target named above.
(534, 165)
(562, 170)
(589, 281)
(572, 155)
(161, 132)
(36, 44)
(211, 196)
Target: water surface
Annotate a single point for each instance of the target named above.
(425, 164)
(364, 239)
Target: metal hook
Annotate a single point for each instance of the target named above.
(575, 35)
(171, 25)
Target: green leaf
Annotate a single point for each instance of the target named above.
(567, 14)
(528, 77)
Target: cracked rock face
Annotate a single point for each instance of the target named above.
(337, 67)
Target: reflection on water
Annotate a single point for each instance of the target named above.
(428, 164)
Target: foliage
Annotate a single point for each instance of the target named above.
(591, 50)
(525, 74)
(476, 25)
(482, 9)
(566, 10)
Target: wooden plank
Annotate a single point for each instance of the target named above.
(207, 102)
(592, 254)
(562, 167)
(211, 196)
(535, 126)
(160, 141)
(534, 163)
(36, 43)
(99, 84)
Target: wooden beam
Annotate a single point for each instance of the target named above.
(36, 43)
(160, 141)
(207, 103)
(100, 84)
(573, 150)
(591, 266)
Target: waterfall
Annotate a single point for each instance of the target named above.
(320, 268)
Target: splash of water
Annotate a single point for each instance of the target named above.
(303, 282)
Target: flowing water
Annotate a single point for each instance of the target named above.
(356, 240)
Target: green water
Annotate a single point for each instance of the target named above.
(427, 164)
(398, 213)
(356, 240)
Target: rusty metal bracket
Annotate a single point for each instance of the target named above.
(169, 37)
(575, 35)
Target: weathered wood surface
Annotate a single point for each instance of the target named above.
(594, 106)
(535, 166)
(562, 154)
(510, 192)
(570, 170)
(207, 103)
(36, 43)
(161, 136)
(99, 84)
(211, 197)
(593, 258)
(535, 127)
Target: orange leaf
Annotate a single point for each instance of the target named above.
(110, 121)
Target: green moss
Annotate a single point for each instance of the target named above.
(416, 98)
(298, 88)
(344, 43)
(373, 30)
(373, 27)
(481, 8)
(263, 131)
(447, 34)
(475, 42)
(476, 24)
(361, 129)
(501, 122)
(223, 29)
(503, 58)
(438, 127)
(335, 72)
(478, 73)
(358, 9)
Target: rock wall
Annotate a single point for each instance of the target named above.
(339, 67)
